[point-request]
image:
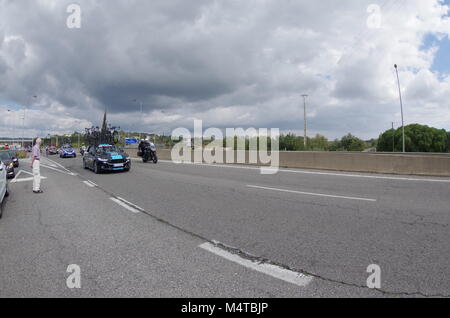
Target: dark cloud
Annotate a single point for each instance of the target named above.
(227, 62)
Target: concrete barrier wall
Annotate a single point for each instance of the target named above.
(365, 162)
(407, 164)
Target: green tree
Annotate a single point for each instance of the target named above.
(291, 142)
(318, 143)
(388, 141)
(351, 143)
(448, 141)
(372, 143)
(418, 138)
(334, 145)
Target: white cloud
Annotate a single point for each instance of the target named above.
(38, 122)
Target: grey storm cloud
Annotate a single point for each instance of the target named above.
(227, 62)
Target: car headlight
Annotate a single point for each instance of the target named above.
(102, 160)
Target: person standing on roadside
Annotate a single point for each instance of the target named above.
(35, 165)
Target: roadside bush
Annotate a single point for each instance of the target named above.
(21, 154)
(348, 143)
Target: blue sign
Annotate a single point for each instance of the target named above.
(131, 141)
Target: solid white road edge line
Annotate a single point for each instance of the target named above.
(15, 180)
(286, 275)
(59, 170)
(68, 172)
(19, 173)
(312, 194)
(25, 179)
(58, 164)
(233, 166)
(124, 205)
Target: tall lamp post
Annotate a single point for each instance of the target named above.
(23, 123)
(14, 127)
(142, 111)
(23, 127)
(393, 138)
(304, 119)
(401, 106)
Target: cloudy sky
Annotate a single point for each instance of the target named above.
(231, 63)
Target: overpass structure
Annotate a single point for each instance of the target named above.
(16, 141)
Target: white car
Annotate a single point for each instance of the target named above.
(3, 186)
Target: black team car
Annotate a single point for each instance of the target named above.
(8, 162)
(106, 158)
(14, 157)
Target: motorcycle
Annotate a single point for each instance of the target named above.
(149, 154)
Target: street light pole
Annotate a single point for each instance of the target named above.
(23, 123)
(393, 138)
(304, 119)
(401, 106)
(142, 112)
(23, 128)
(10, 112)
(14, 129)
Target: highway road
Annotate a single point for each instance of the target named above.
(186, 230)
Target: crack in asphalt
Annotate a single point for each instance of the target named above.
(421, 222)
(263, 260)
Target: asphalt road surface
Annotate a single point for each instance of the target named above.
(185, 230)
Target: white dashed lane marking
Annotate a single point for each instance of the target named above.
(278, 272)
(90, 184)
(127, 205)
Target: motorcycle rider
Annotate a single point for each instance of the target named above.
(144, 144)
(147, 151)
